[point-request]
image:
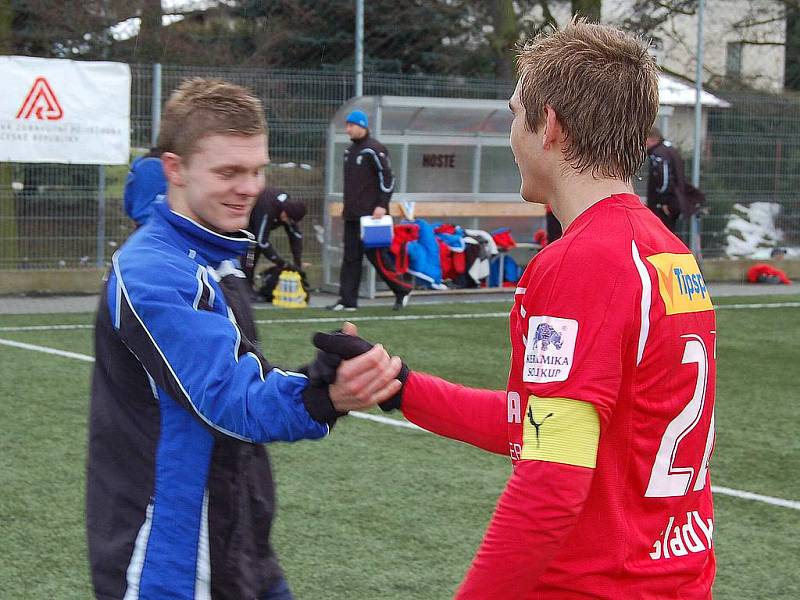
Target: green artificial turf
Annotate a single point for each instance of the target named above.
(379, 512)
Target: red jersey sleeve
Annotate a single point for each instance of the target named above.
(537, 510)
(470, 415)
(572, 326)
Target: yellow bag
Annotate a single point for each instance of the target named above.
(289, 292)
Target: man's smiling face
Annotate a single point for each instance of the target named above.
(221, 180)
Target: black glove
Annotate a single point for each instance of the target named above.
(321, 372)
(337, 346)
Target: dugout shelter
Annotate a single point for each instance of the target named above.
(450, 157)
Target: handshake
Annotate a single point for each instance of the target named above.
(350, 373)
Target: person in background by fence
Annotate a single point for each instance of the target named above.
(144, 184)
(180, 497)
(666, 181)
(553, 226)
(368, 186)
(274, 208)
(608, 413)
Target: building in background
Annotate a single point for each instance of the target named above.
(745, 41)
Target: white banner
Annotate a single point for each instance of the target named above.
(64, 111)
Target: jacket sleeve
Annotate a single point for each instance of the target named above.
(678, 183)
(534, 516)
(267, 249)
(654, 178)
(477, 417)
(666, 179)
(383, 170)
(179, 327)
(295, 242)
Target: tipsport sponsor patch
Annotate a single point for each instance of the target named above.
(680, 283)
(549, 349)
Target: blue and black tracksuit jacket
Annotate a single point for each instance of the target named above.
(180, 494)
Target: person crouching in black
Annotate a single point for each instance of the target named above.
(274, 208)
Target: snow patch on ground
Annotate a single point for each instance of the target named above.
(751, 231)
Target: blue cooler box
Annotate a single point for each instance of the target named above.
(377, 233)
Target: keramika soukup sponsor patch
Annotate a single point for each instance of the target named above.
(681, 284)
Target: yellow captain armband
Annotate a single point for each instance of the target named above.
(560, 430)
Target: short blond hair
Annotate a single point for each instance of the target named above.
(603, 86)
(207, 106)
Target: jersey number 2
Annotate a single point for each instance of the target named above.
(667, 479)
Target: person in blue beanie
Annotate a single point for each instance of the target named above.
(145, 183)
(368, 187)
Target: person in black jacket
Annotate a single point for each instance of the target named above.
(368, 187)
(666, 181)
(274, 208)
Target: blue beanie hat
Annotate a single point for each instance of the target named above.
(145, 182)
(358, 117)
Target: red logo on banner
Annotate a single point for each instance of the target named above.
(40, 103)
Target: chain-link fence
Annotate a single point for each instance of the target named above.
(752, 162)
(49, 215)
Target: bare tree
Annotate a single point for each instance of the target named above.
(759, 24)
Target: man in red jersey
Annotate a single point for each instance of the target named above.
(608, 414)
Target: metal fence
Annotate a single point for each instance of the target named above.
(50, 217)
(752, 155)
(49, 214)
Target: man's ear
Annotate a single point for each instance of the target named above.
(173, 168)
(552, 132)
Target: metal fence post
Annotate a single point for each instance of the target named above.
(359, 57)
(101, 217)
(155, 105)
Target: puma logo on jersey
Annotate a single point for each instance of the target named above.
(537, 426)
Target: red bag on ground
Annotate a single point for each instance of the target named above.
(762, 273)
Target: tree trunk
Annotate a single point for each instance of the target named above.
(505, 35)
(587, 8)
(149, 47)
(6, 17)
(791, 79)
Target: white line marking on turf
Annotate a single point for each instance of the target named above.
(718, 489)
(45, 327)
(352, 317)
(46, 350)
(387, 421)
(794, 504)
(770, 305)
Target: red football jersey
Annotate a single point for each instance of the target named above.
(616, 314)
